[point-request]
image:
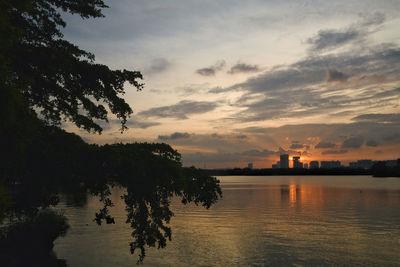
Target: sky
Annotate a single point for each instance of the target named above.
(233, 82)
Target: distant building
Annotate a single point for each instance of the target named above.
(353, 165)
(276, 165)
(365, 164)
(362, 164)
(305, 166)
(284, 161)
(296, 163)
(314, 164)
(330, 164)
(250, 165)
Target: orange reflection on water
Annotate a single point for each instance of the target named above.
(303, 195)
(292, 193)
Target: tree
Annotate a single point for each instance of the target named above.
(44, 76)
(55, 77)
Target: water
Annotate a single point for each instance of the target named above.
(261, 221)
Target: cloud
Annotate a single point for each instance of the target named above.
(328, 39)
(334, 152)
(301, 89)
(174, 136)
(331, 38)
(386, 134)
(191, 89)
(210, 71)
(325, 145)
(296, 146)
(243, 68)
(228, 157)
(181, 110)
(374, 117)
(353, 142)
(259, 153)
(159, 65)
(133, 122)
(375, 19)
(140, 123)
(372, 143)
(336, 76)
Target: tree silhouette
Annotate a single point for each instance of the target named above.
(58, 79)
(44, 80)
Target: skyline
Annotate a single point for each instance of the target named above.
(227, 82)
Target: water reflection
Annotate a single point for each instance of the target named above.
(270, 221)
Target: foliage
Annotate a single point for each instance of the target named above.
(29, 242)
(44, 80)
(60, 162)
(58, 79)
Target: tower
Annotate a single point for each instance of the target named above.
(297, 163)
(284, 161)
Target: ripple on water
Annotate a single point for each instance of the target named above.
(270, 221)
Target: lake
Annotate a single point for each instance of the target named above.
(261, 221)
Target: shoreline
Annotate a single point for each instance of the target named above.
(390, 172)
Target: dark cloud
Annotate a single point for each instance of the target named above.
(215, 135)
(333, 152)
(375, 117)
(328, 39)
(312, 71)
(325, 145)
(159, 65)
(332, 38)
(336, 76)
(296, 146)
(134, 122)
(330, 134)
(174, 136)
(210, 71)
(353, 142)
(281, 93)
(180, 110)
(243, 68)
(142, 124)
(372, 143)
(392, 137)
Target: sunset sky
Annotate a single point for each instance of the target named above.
(232, 82)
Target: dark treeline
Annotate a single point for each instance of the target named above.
(53, 162)
(378, 170)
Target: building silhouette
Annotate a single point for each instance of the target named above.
(250, 165)
(362, 164)
(296, 163)
(330, 164)
(284, 161)
(314, 164)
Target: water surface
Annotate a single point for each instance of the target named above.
(261, 220)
